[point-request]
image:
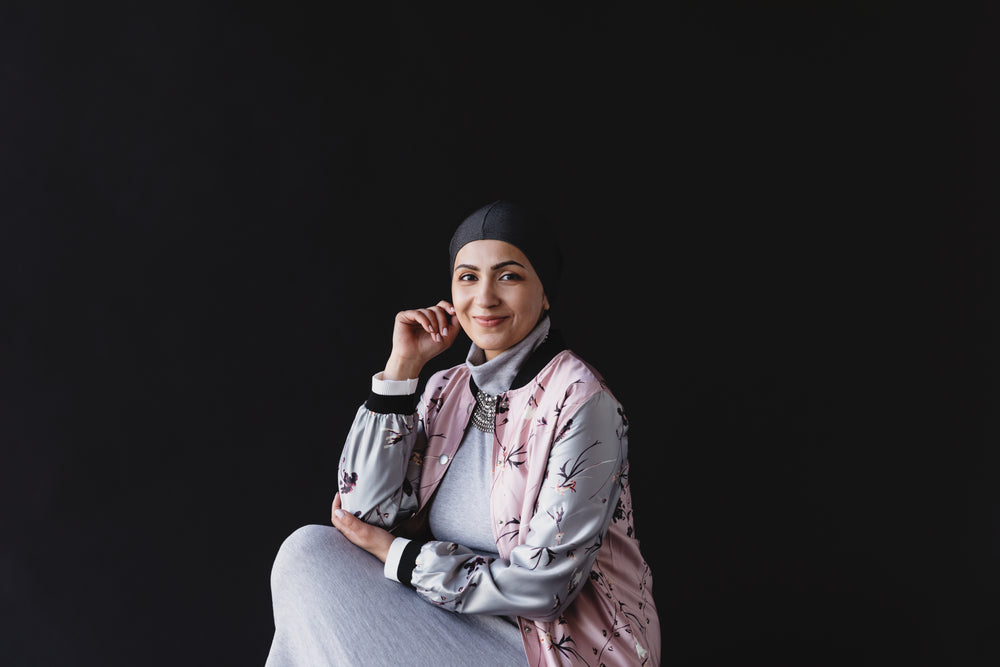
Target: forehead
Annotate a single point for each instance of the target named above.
(485, 253)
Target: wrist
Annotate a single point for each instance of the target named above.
(402, 369)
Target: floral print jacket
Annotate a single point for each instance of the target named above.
(570, 568)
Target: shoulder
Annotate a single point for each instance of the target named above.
(569, 367)
(570, 376)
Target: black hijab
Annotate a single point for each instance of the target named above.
(520, 227)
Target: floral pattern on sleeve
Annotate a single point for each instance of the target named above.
(376, 466)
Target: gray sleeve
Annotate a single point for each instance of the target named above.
(377, 473)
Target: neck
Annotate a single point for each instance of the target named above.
(495, 375)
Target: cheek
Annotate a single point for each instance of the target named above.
(533, 302)
(461, 309)
(460, 302)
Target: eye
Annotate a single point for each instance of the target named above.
(510, 276)
(467, 277)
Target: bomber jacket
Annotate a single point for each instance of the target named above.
(570, 567)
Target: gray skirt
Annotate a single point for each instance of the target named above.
(333, 606)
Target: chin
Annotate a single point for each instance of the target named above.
(492, 343)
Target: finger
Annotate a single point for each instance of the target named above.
(343, 521)
(447, 319)
(443, 323)
(442, 318)
(413, 318)
(432, 326)
(334, 509)
(419, 318)
(433, 322)
(336, 505)
(453, 324)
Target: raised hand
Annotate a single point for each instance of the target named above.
(418, 336)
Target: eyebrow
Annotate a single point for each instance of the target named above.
(492, 268)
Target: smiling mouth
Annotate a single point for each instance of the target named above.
(489, 321)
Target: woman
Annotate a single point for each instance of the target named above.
(500, 497)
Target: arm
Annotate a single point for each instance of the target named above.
(372, 476)
(376, 476)
(575, 506)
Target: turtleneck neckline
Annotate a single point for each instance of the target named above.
(496, 375)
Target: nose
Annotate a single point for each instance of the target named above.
(486, 294)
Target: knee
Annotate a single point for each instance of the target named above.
(298, 552)
(304, 541)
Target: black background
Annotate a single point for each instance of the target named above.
(779, 229)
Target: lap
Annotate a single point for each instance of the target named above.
(333, 605)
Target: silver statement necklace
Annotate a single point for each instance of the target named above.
(484, 414)
(485, 411)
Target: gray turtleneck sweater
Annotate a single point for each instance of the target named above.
(460, 512)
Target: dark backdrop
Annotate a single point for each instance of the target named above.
(778, 229)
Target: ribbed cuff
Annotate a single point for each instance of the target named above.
(401, 560)
(392, 397)
(408, 562)
(393, 387)
(392, 405)
(392, 558)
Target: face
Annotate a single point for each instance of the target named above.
(497, 295)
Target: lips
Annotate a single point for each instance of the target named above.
(489, 321)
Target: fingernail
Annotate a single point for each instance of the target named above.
(444, 332)
(339, 513)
